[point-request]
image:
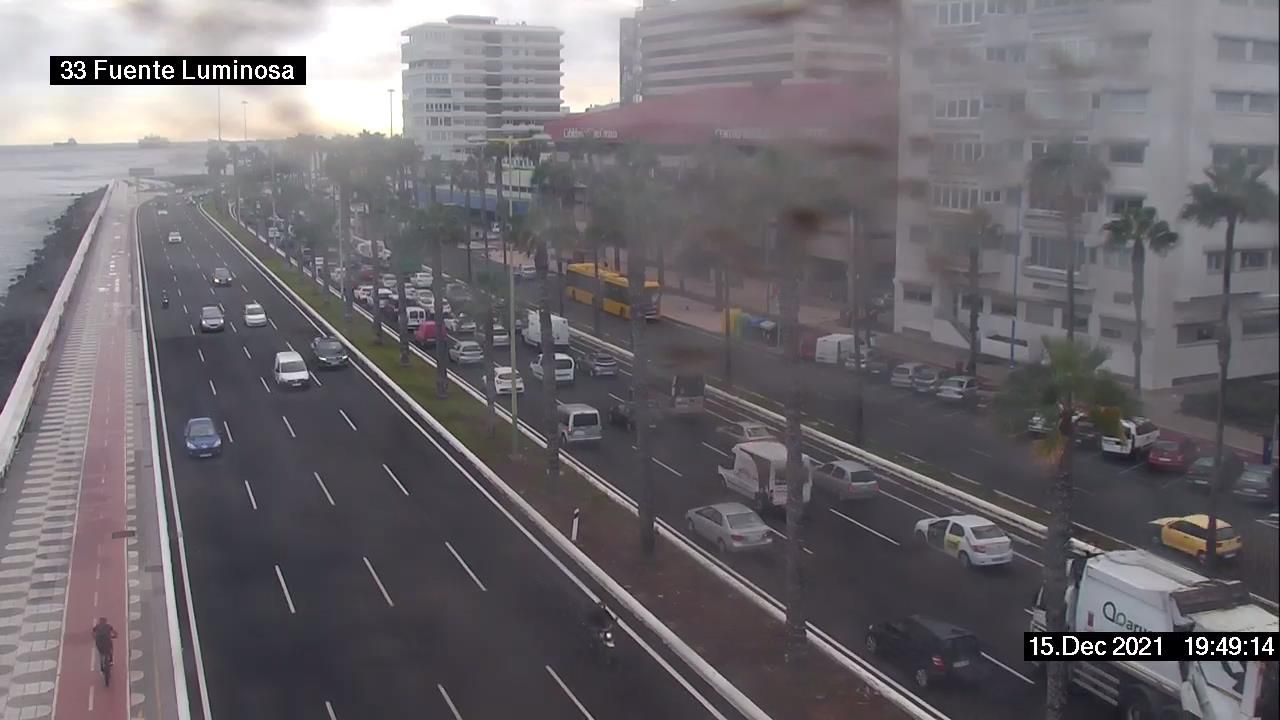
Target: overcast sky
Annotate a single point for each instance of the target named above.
(352, 49)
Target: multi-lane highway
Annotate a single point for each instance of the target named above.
(343, 563)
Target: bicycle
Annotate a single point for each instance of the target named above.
(104, 666)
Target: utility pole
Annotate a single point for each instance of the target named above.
(391, 113)
(219, 117)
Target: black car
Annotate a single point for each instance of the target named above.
(623, 415)
(221, 276)
(329, 352)
(931, 650)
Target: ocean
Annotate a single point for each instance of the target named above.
(37, 183)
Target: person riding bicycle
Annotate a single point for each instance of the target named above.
(103, 634)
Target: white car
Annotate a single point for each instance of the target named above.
(527, 271)
(175, 237)
(460, 324)
(465, 352)
(421, 280)
(363, 293)
(388, 281)
(564, 368)
(290, 370)
(502, 380)
(501, 338)
(973, 539)
(741, 431)
(254, 315)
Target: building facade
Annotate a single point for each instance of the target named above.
(674, 46)
(470, 77)
(1163, 89)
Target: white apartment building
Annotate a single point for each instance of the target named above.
(471, 77)
(1174, 85)
(674, 46)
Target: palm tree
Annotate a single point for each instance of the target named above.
(528, 234)
(976, 231)
(1139, 230)
(1234, 194)
(1069, 176)
(444, 226)
(216, 160)
(339, 167)
(553, 184)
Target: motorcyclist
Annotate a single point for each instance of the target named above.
(103, 634)
(164, 298)
(599, 619)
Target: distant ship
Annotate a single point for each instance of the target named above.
(69, 142)
(153, 141)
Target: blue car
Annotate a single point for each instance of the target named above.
(202, 438)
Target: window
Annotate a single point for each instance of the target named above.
(1054, 253)
(917, 294)
(992, 196)
(954, 197)
(964, 12)
(1264, 155)
(1057, 105)
(1260, 324)
(1039, 313)
(1193, 333)
(967, 301)
(1114, 329)
(1213, 261)
(1125, 100)
(1130, 153)
(1003, 306)
(1120, 204)
(958, 148)
(1253, 259)
(1082, 317)
(1246, 50)
(1007, 54)
(957, 108)
(1245, 102)
(1233, 49)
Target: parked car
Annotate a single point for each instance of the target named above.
(870, 360)
(1255, 484)
(731, 527)
(973, 539)
(329, 352)
(846, 480)
(1189, 535)
(600, 364)
(201, 438)
(254, 315)
(505, 381)
(290, 370)
(526, 271)
(958, 389)
(931, 650)
(221, 277)
(1203, 472)
(175, 237)
(903, 374)
(925, 379)
(1172, 455)
(211, 319)
(465, 352)
(741, 431)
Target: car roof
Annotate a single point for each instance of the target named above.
(850, 465)
(195, 420)
(960, 378)
(577, 407)
(729, 508)
(1200, 521)
(749, 423)
(210, 307)
(285, 355)
(968, 521)
(221, 269)
(942, 629)
(253, 305)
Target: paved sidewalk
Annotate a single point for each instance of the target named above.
(79, 542)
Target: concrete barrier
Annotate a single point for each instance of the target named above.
(13, 419)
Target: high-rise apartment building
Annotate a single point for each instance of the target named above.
(673, 46)
(470, 77)
(1166, 88)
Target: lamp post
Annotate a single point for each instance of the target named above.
(391, 113)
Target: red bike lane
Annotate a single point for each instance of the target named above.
(97, 583)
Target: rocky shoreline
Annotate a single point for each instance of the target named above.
(24, 305)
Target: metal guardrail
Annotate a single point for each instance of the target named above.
(17, 408)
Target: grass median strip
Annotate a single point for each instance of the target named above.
(727, 629)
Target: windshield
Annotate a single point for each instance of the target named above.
(200, 428)
(210, 313)
(293, 366)
(253, 309)
(987, 532)
(328, 346)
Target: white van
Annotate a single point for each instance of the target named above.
(577, 423)
(1137, 435)
(414, 316)
(833, 349)
(759, 473)
(290, 370)
(532, 332)
(565, 368)
(903, 375)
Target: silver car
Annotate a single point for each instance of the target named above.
(958, 389)
(731, 527)
(741, 431)
(846, 480)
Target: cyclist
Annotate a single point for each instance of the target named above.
(103, 634)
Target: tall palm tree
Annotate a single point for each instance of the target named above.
(976, 231)
(339, 167)
(528, 234)
(553, 183)
(1235, 193)
(1068, 175)
(1139, 230)
(444, 226)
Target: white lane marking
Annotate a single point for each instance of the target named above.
(233, 327)
(668, 468)
(289, 345)
(344, 417)
(715, 449)
(227, 427)
(382, 588)
(315, 379)
(325, 489)
(976, 451)
(329, 709)
(185, 311)
(265, 386)
(449, 701)
(466, 567)
(1017, 674)
(913, 457)
(246, 351)
(200, 353)
(179, 292)
(569, 692)
(1030, 560)
(395, 480)
(615, 397)
(285, 589)
(878, 534)
(273, 324)
(249, 490)
(292, 434)
(193, 328)
(965, 478)
(1007, 496)
(213, 388)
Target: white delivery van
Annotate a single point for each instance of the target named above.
(414, 316)
(532, 332)
(759, 474)
(577, 423)
(1137, 435)
(833, 349)
(1125, 591)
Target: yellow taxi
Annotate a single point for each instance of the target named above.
(1190, 535)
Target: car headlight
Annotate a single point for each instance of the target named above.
(190, 445)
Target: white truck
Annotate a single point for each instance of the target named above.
(532, 332)
(1135, 591)
(759, 474)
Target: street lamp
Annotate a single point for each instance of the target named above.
(391, 114)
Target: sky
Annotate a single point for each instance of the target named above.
(352, 49)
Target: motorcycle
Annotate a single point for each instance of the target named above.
(605, 648)
(164, 301)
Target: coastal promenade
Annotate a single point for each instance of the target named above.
(79, 518)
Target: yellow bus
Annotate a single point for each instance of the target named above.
(580, 285)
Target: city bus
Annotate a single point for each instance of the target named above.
(580, 285)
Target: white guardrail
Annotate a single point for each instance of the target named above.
(13, 419)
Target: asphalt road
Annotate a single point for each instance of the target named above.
(341, 565)
(962, 449)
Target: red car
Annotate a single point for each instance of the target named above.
(1172, 455)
